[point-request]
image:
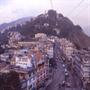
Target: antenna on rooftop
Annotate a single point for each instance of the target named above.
(51, 2)
(51, 5)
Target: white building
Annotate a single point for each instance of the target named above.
(4, 57)
(23, 61)
(67, 47)
(50, 52)
(40, 35)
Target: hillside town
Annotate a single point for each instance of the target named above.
(44, 63)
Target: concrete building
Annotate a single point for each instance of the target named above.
(14, 37)
(67, 47)
(41, 35)
(4, 57)
(23, 61)
(31, 59)
(81, 65)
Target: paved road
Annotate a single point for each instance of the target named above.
(59, 75)
(58, 78)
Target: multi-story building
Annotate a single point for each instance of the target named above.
(41, 35)
(31, 60)
(67, 47)
(42, 68)
(14, 37)
(4, 57)
(81, 65)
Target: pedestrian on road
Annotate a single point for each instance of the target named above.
(63, 83)
(59, 85)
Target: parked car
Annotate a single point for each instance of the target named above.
(65, 70)
(68, 84)
(66, 74)
(63, 83)
(63, 65)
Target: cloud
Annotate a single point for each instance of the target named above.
(21, 8)
(4, 2)
(13, 9)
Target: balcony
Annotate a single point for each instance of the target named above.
(40, 62)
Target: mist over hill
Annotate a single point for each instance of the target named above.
(51, 23)
(87, 30)
(21, 21)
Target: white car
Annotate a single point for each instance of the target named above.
(65, 70)
(66, 74)
(68, 84)
(63, 65)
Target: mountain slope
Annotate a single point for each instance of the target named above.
(56, 24)
(21, 21)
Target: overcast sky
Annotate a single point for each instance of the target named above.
(77, 10)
